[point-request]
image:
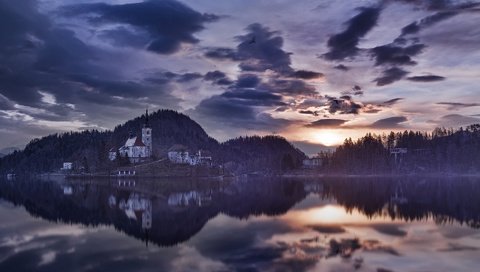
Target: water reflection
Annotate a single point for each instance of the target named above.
(277, 225)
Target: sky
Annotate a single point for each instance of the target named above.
(314, 72)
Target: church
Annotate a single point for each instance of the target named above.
(136, 149)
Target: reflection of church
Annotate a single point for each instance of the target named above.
(136, 149)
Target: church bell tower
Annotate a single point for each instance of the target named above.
(147, 135)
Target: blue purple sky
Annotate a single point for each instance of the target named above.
(312, 71)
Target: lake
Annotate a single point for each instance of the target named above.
(342, 224)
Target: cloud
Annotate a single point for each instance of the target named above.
(168, 23)
(341, 67)
(396, 55)
(429, 78)
(259, 50)
(308, 112)
(389, 123)
(326, 123)
(390, 75)
(428, 21)
(343, 105)
(455, 247)
(456, 105)
(391, 102)
(217, 77)
(455, 120)
(344, 45)
(303, 74)
(247, 81)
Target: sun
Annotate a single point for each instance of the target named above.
(327, 137)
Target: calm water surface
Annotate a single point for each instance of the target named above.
(258, 225)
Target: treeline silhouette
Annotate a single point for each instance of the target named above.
(441, 151)
(88, 150)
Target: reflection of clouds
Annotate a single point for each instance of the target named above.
(191, 260)
(452, 247)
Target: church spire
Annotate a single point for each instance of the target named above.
(147, 124)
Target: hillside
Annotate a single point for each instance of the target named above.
(89, 149)
(268, 153)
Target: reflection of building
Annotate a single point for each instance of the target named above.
(137, 207)
(179, 154)
(67, 190)
(136, 148)
(188, 198)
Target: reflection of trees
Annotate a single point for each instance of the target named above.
(143, 211)
(443, 200)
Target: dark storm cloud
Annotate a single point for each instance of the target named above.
(341, 67)
(342, 105)
(162, 78)
(254, 98)
(309, 112)
(327, 123)
(396, 55)
(303, 74)
(169, 23)
(56, 62)
(391, 102)
(214, 75)
(456, 105)
(390, 75)
(428, 21)
(260, 50)
(239, 110)
(389, 123)
(222, 53)
(288, 87)
(429, 78)
(217, 77)
(440, 4)
(356, 90)
(344, 45)
(187, 77)
(247, 81)
(124, 37)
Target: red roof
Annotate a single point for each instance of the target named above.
(138, 142)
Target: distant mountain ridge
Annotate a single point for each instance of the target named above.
(168, 128)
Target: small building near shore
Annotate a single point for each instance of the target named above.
(67, 166)
(314, 162)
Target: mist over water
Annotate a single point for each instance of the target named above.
(409, 224)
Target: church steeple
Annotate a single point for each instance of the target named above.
(146, 124)
(147, 135)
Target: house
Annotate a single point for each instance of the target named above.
(67, 166)
(136, 149)
(179, 154)
(314, 162)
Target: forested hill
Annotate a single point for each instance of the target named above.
(90, 148)
(168, 128)
(260, 153)
(441, 151)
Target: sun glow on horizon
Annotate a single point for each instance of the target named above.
(327, 137)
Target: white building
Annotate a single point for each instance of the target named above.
(179, 154)
(67, 166)
(136, 148)
(313, 162)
